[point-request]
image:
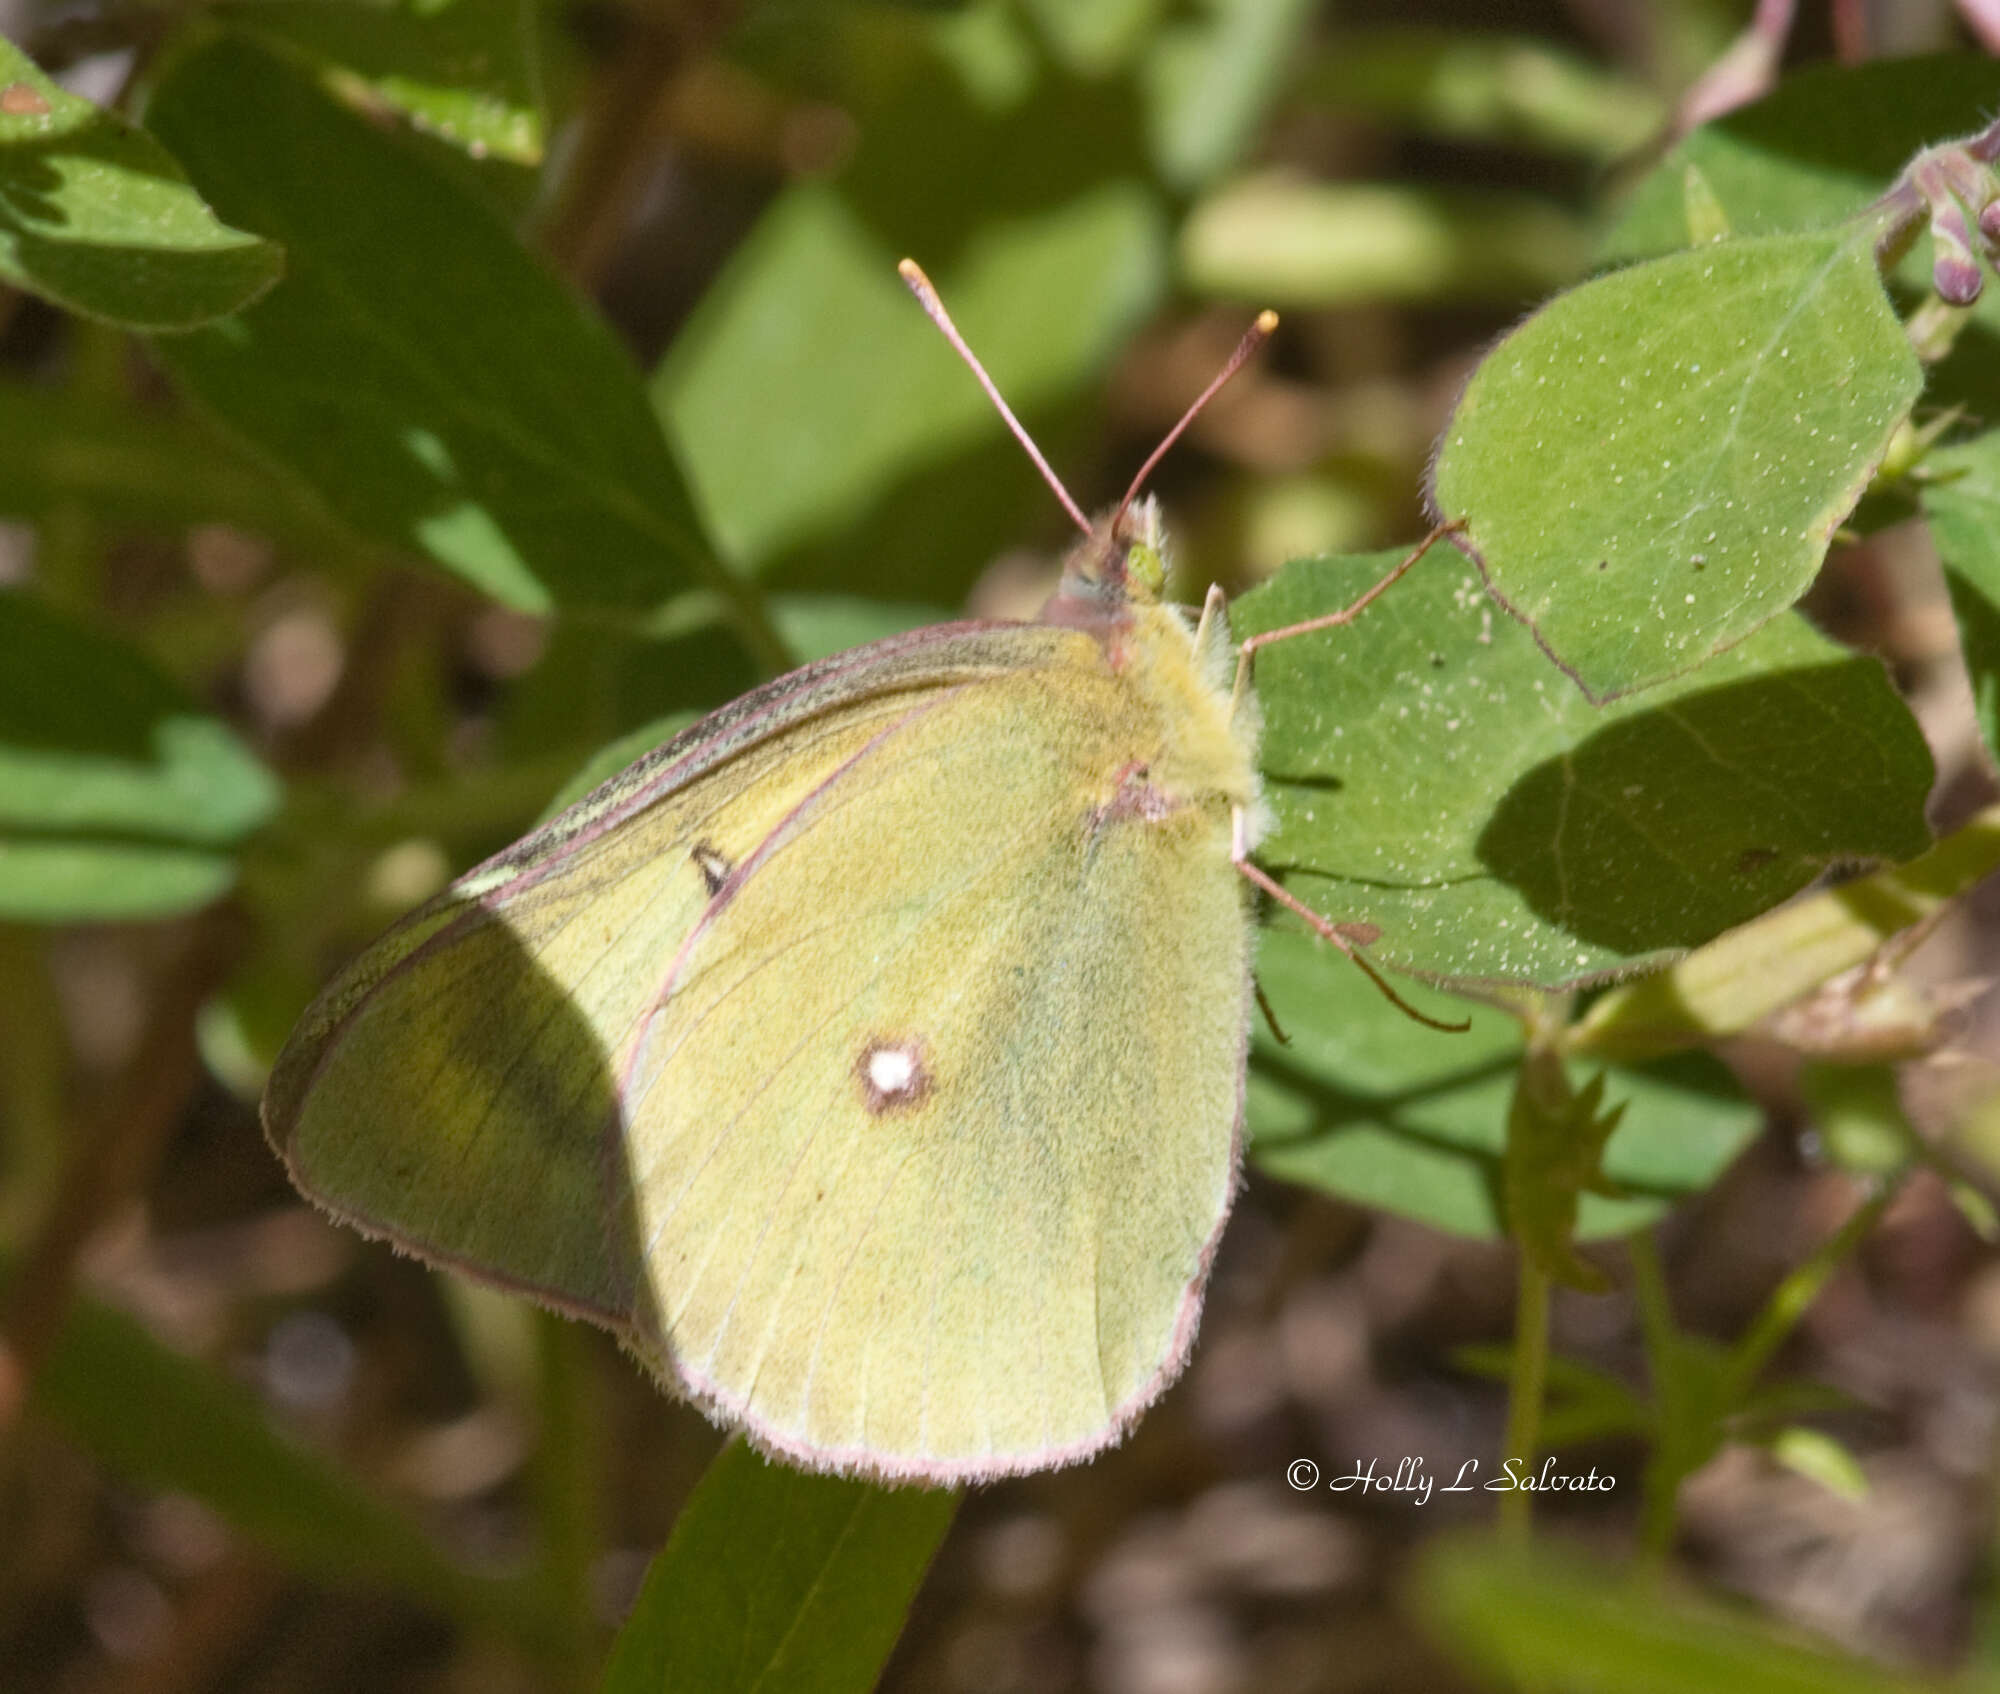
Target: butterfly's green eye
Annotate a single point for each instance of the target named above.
(1145, 569)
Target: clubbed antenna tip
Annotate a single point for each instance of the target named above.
(927, 297)
(1254, 337)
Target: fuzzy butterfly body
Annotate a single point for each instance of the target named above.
(869, 1058)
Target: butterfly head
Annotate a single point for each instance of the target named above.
(1121, 563)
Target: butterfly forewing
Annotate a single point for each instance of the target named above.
(454, 1089)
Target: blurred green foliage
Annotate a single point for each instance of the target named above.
(515, 380)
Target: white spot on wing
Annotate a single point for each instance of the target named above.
(892, 1073)
(892, 1069)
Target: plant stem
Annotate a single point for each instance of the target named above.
(566, 1488)
(751, 614)
(1752, 971)
(1790, 1299)
(1656, 1328)
(1526, 1390)
(113, 1157)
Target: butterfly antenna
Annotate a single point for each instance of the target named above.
(927, 297)
(1253, 338)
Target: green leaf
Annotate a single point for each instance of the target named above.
(152, 470)
(462, 69)
(1432, 774)
(1746, 975)
(434, 384)
(96, 216)
(1859, 1115)
(1584, 1403)
(1962, 502)
(1511, 89)
(809, 383)
(165, 1421)
(119, 798)
(1819, 1458)
(1557, 1619)
(1816, 150)
(1692, 1399)
(817, 625)
(1369, 1105)
(1819, 149)
(808, 388)
(1277, 240)
(1209, 82)
(775, 1579)
(1092, 38)
(1652, 466)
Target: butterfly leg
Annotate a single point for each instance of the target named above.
(1270, 1017)
(1332, 620)
(1350, 938)
(1211, 607)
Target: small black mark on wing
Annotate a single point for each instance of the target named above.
(713, 866)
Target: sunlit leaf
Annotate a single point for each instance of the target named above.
(1210, 78)
(1819, 1458)
(96, 215)
(1513, 89)
(1819, 148)
(1962, 501)
(462, 69)
(119, 797)
(1652, 466)
(853, 388)
(437, 387)
(1434, 775)
(1274, 239)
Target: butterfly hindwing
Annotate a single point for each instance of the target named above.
(953, 1215)
(824, 1056)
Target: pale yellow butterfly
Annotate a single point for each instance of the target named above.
(868, 1058)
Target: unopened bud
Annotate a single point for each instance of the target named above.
(1954, 268)
(1989, 225)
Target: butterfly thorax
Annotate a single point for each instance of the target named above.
(1204, 744)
